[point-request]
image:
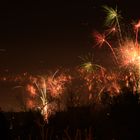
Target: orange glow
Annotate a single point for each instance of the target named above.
(31, 90)
(137, 25)
(130, 54)
(30, 104)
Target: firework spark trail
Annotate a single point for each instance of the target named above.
(38, 89)
(110, 31)
(87, 63)
(113, 17)
(56, 86)
(112, 51)
(130, 59)
(100, 39)
(129, 54)
(31, 90)
(136, 27)
(93, 83)
(53, 86)
(41, 87)
(55, 74)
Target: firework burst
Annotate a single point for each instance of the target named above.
(113, 17)
(130, 59)
(56, 86)
(87, 64)
(129, 54)
(47, 88)
(100, 40)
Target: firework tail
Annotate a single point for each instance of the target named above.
(136, 27)
(110, 31)
(55, 74)
(112, 51)
(102, 68)
(113, 17)
(119, 28)
(99, 94)
(137, 30)
(43, 94)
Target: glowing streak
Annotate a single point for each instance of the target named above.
(112, 30)
(31, 89)
(102, 68)
(137, 26)
(100, 39)
(111, 50)
(42, 89)
(99, 94)
(55, 74)
(113, 18)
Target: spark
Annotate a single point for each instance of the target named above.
(30, 104)
(51, 85)
(31, 90)
(56, 86)
(110, 31)
(136, 27)
(87, 63)
(113, 17)
(41, 87)
(129, 54)
(130, 59)
(100, 39)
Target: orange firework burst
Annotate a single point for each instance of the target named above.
(45, 87)
(56, 86)
(129, 54)
(137, 25)
(111, 84)
(130, 59)
(31, 90)
(100, 40)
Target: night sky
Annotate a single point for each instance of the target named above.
(37, 34)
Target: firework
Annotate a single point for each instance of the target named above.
(130, 59)
(100, 39)
(136, 27)
(112, 85)
(31, 90)
(110, 31)
(30, 104)
(113, 17)
(129, 54)
(56, 86)
(46, 88)
(87, 64)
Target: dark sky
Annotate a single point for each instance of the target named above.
(44, 34)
